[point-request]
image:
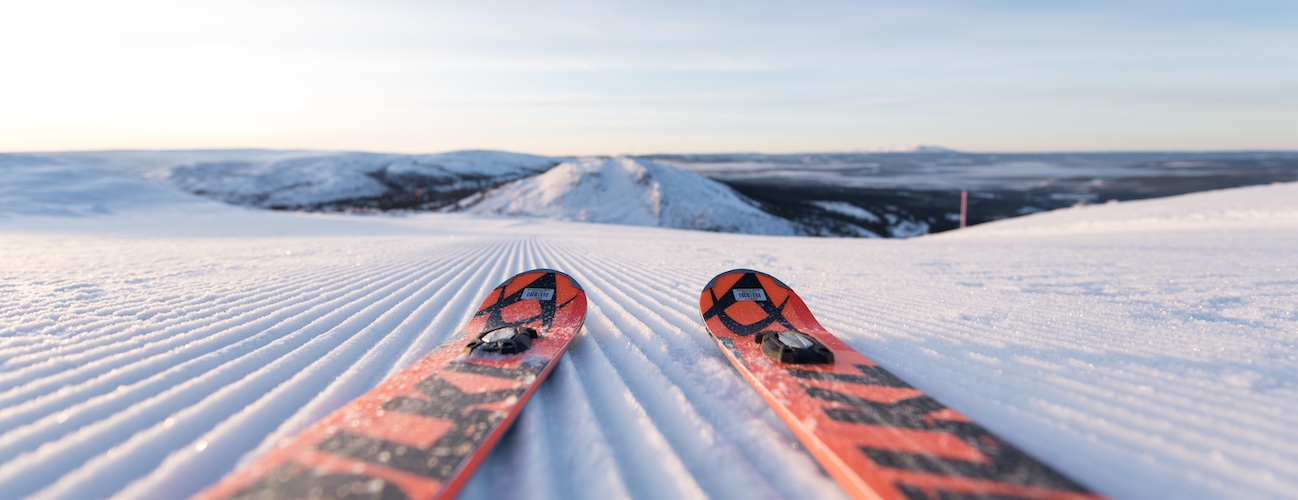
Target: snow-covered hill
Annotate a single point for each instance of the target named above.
(41, 185)
(310, 180)
(632, 192)
(151, 341)
(351, 180)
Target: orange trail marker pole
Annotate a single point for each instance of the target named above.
(964, 208)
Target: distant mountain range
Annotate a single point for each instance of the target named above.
(871, 194)
(901, 194)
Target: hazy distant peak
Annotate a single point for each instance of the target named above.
(914, 149)
(932, 149)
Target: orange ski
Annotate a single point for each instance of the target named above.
(421, 433)
(874, 433)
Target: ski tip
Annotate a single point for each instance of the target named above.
(548, 270)
(712, 282)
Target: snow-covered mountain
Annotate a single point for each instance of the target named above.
(352, 180)
(629, 191)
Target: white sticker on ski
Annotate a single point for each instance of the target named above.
(753, 294)
(538, 294)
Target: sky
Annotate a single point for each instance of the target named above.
(638, 77)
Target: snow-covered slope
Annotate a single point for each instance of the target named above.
(1274, 207)
(629, 191)
(32, 185)
(1146, 349)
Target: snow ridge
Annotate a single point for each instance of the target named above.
(629, 191)
(312, 181)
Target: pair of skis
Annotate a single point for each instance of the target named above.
(422, 433)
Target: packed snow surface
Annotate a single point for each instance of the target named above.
(151, 341)
(633, 192)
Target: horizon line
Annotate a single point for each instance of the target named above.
(918, 150)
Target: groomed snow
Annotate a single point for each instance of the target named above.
(150, 341)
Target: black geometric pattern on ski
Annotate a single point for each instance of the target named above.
(774, 314)
(495, 312)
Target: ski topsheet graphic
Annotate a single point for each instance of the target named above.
(421, 433)
(874, 433)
